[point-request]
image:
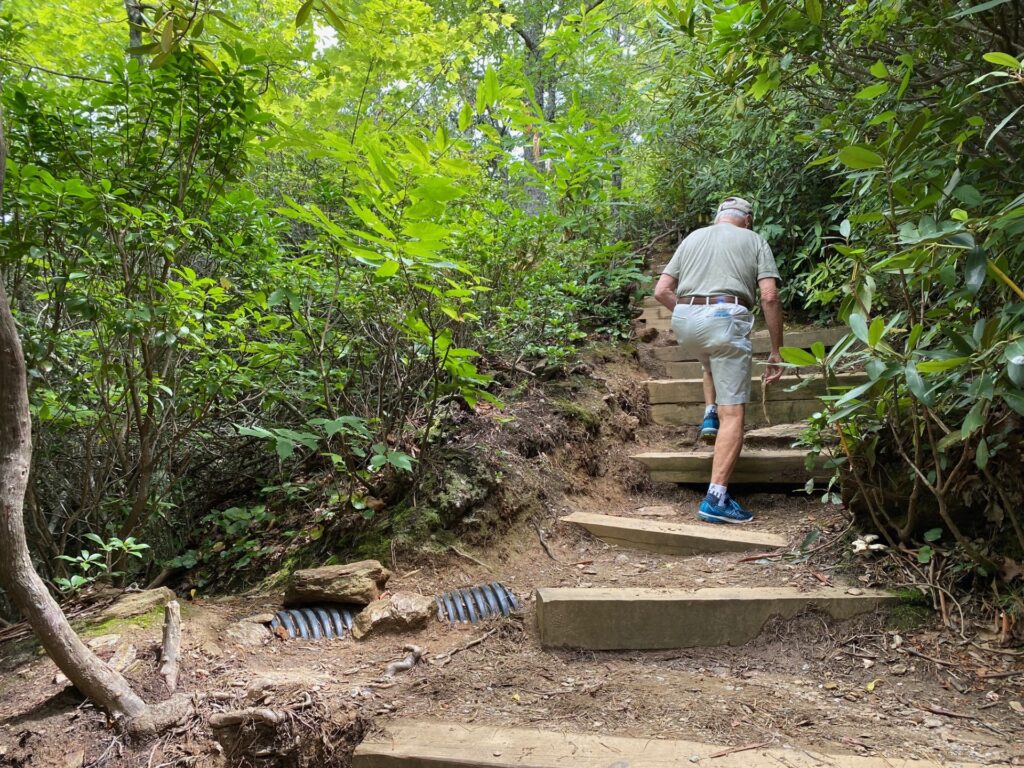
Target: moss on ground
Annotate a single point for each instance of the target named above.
(577, 414)
(118, 625)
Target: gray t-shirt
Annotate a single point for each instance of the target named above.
(722, 260)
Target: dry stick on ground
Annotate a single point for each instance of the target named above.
(171, 644)
(444, 658)
(543, 541)
(264, 715)
(469, 557)
(742, 748)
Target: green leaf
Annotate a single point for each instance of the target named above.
(876, 331)
(925, 554)
(871, 91)
(465, 117)
(932, 534)
(1001, 60)
(167, 37)
(975, 269)
(1015, 400)
(860, 158)
(916, 384)
(879, 70)
(859, 326)
(935, 366)
(980, 8)
(981, 455)
(797, 356)
(388, 269)
(974, 419)
(1003, 124)
(814, 11)
(303, 13)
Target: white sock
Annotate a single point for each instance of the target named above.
(719, 492)
(709, 409)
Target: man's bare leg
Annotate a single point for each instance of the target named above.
(709, 388)
(729, 443)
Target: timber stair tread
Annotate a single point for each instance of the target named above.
(691, 390)
(764, 466)
(629, 618)
(440, 744)
(676, 402)
(672, 538)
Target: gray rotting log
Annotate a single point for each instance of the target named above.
(171, 645)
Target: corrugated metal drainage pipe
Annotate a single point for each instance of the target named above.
(316, 622)
(473, 604)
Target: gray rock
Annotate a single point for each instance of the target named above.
(137, 603)
(247, 633)
(359, 583)
(402, 612)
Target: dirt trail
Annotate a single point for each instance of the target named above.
(862, 687)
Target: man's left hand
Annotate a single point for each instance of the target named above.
(773, 372)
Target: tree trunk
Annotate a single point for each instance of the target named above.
(17, 574)
(135, 23)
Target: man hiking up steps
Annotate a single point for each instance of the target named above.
(709, 286)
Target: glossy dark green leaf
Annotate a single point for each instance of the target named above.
(860, 158)
(917, 385)
(975, 269)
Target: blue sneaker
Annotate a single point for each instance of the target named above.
(730, 512)
(709, 427)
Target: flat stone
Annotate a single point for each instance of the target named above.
(673, 538)
(648, 619)
(360, 583)
(413, 744)
(100, 642)
(402, 612)
(137, 603)
(259, 618)
(247, 633)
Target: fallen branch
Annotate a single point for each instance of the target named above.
(469, 557)
(1000, 675)
(414, 655)
(263, 715)
(171, 645)
(543, 541)
(444, 658)
(932, 659)
(743, 748)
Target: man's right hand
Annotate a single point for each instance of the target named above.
(773, 372)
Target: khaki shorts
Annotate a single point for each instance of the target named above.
(719, 336)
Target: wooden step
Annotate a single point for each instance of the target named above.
(776, 436)
(672, 538)
(681, 401)
(691, 369)
(688, 391)
(761, 466)
(762, 343)
(433, 744)
(648, 619)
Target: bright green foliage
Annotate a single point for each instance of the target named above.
(276, 238)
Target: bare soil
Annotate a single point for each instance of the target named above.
(901, 686)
